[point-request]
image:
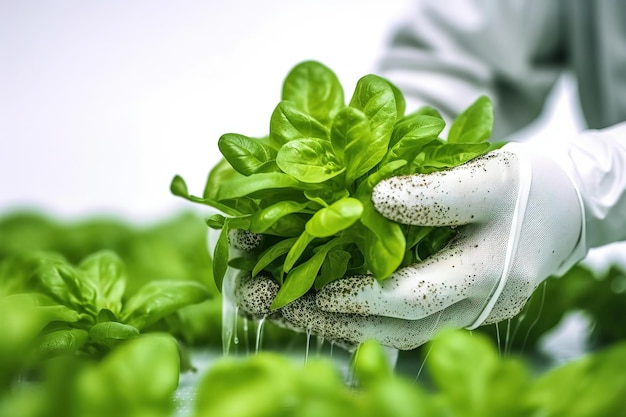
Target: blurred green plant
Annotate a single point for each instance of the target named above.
(60, 309)
(171, 249)
(136, 380)
(600, 296)
(465, 376)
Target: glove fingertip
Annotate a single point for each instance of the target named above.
(342, 296)
(244, 240)
(255, 295)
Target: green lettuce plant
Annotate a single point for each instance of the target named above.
(307, 186)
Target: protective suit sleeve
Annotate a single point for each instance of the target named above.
(447, 53)
(595, 161)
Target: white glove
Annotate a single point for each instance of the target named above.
(519, 220)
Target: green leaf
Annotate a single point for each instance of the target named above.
(436, 239)
(384, 243)
(398, 99)
(591, 386)
(376, 99)
(272, 253)
(221, 173)
(350, 128)
(216, 221)
(370, 364)
(120, 379)
(178, 187)
(410, 136)
(290, 225)
(315, 90)
(260, 386)
(221, 253)
(288, 123)
(353, 141)
(326, 196)
(58, 313)
(332, 219)
(64, 283)
(301, 278)
(472, 379)
(247, 156)
(158, 299)
(298, 281)
(449, 155)
(244, 186)
(329, 157)
(110, 333)
(297, 250)
(385, 171)
(265, 218)
(60, 342)
(243, 263)
(309, 160)
(221, 256)
(242, 206)
(106, 315)
(334, 267)
(474, 124)
(105, 272)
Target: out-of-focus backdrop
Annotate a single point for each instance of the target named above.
(102, 102)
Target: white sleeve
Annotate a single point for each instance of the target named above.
(450, 52)
(595, 160)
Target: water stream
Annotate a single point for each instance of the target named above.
(229, 311)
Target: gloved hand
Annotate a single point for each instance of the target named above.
(519, 220)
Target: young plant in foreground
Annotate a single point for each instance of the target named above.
(307, 186)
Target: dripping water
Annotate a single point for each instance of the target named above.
(320, 344)
(432, 332)
(236, 327)
(229, 311)
(308, 344)
(421, 368)
(498, 339)
(259, 335)
(507, 339)
(246, 340)
(391, 355)
(543, 299)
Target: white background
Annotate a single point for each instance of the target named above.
(103, 102)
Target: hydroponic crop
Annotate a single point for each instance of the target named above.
(307, 186)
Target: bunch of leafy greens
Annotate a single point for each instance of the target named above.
(307, 186)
